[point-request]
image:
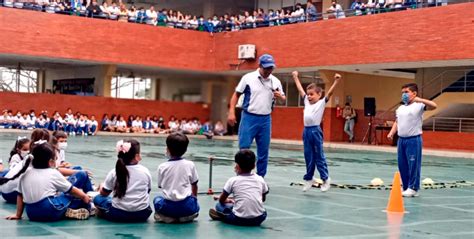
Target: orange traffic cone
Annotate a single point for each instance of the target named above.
(395, 202)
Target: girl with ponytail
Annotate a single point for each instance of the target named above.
(130, 184)
(39, 186)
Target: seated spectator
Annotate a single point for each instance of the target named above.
(104, 9)
(162, 18)
(137, 126)
(207, 130)
(141, 15)
(123, 14)
(370, 6)
(113, 123)
(114, 11)
(93, 9)
(5, 120)
(208, 26)
(132, 14)
(180, 22)
(337, 10)
(249, 20)
(219, 128)
(41, 122)
(121, 125)
(151, 16)
(130, 120)
(311, 13)
(358, 7)
(261, 19)
(298, 14)
(147, 125)
(24, 122)
(172, 18)
(81, 126)
(92, 125)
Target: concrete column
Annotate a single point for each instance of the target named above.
(208, 8)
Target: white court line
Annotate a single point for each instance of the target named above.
(448, 197)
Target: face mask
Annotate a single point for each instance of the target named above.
(405, 98)
(23, 154)
(62, 145)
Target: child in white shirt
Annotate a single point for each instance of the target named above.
(249, 190)
(39, 186)
(312, 134)
(130, 184)
(178, 180)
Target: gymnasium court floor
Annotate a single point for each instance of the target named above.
(339, 213)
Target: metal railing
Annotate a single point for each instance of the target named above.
(450, 124)
(449, 81)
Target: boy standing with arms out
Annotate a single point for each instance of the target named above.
(312, 134)
(409, 126)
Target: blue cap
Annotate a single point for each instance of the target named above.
(267, 61)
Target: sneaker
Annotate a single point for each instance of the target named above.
(165, 219)
(215, 215)
(410, 193)
(326, 185)
(79, 214)
(307, 185)
(188, 218)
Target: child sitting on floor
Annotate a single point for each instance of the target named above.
(249, 190)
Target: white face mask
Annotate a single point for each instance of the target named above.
(62, 145)
(23, 154)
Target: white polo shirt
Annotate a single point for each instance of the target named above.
(313, 113)
(137, 196)
(12, 185)
(175, 178)
(248, 190)
(37, 184)
(258, 92)
(410, 119)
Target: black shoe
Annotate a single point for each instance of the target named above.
(215, 215)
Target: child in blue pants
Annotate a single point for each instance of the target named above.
(409, 127)
(312, 134)
(130, 183)
(178, 180)
(39, 186)
(249, 190)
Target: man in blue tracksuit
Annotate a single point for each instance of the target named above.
(260, 89)
(409, 127)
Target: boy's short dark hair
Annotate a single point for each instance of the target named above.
(412, 86)
(245, 158)
(177, 144)
(314, 87)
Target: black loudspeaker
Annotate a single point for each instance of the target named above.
(369, 106)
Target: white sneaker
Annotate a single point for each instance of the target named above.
(410, 193)
(326, 185)
(307, 185)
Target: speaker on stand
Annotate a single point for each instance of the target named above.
(369, 111)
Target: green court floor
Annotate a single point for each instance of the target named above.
(339, 213)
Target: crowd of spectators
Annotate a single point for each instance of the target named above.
(81, 124)
(226, 22)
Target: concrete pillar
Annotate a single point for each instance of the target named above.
(208, 8)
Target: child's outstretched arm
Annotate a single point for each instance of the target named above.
(19, 209)
(298, 84)
(430, 105)
(337, 78)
